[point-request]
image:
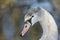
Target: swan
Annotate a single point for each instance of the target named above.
(38, 14)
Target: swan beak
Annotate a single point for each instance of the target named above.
(25, 29)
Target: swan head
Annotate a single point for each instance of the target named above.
(30, 19)
(32, 15)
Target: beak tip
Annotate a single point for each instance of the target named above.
(21, 35)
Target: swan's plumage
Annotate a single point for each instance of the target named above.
(50, 31)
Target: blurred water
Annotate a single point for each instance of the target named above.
(24, 2)
(8, 27)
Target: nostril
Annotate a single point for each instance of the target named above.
(25, 26)
(21, 35)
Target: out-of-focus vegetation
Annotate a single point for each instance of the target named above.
(56, 4)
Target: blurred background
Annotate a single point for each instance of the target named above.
(12, 18)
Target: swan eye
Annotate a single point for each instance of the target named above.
(32, 16)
